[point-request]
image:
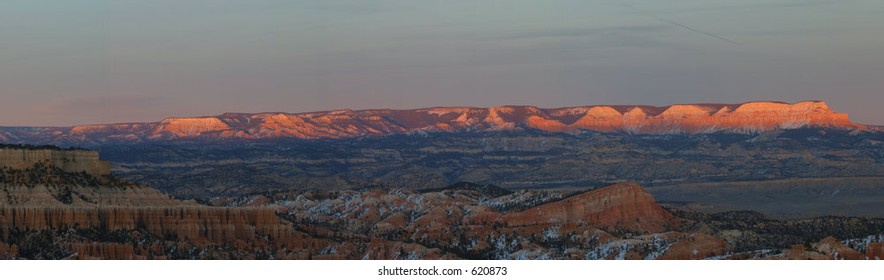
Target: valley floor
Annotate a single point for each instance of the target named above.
(787, 198)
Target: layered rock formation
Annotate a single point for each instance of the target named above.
(830, 246)
(619, 207)
(875, 251)
(59, 199)
(200, 227)
(46, 213)
(620, 221)
(66, 160)
(694, 247)
(752, 117)
(481, 221)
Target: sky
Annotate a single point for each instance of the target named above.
(108, 61)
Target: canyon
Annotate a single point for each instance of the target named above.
(515, 147)
(758, 180)
(47, 212)
(812, 170)
(620, 221)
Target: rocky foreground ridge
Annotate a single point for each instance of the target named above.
(19, 157)
(620, 221)
(751, 117)
(48, 213)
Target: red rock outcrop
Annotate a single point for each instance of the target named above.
(104, 251)
(75, 207)
(619, 207)
(695, 246)
(829, 248)
(8, 251)
(833, 248)
(239, 228)
(42, 195)
(875, 251)
(799, 252)
(194, 127)
(66, 160)
(752, 117)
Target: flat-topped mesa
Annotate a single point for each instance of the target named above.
(752, 117)
(72, 161)
(747, 118)
(774, 115)
(191, 127)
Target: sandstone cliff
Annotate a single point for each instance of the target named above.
(476, 221)
(618, 207)
(198, 226)
(875, 251)
(46, 197)
(67, 160)
(49, 212)
(751, 117)
(830, 246)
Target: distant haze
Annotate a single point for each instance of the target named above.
(90, 61)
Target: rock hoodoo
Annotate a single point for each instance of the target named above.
(83, 215)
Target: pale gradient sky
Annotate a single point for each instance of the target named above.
(80, 62)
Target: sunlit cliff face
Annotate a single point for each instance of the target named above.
(752, 117)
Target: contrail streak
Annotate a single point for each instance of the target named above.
(679, 25)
